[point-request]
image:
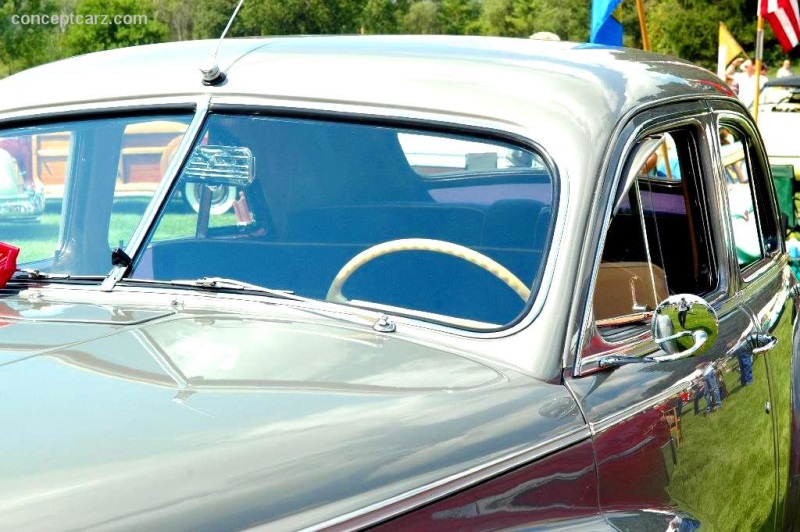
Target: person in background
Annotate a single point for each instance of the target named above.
(731, 81)
(785, 69)
(747, 82)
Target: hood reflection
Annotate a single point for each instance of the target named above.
(230, 353)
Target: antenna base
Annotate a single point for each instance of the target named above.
(213, 75)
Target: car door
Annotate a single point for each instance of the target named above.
(762, 276)
(679, 442)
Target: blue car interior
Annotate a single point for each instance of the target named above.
(325, 191)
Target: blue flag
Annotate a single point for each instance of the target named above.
(605, 29)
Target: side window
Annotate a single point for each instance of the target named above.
(755, 230)
(658, 242)
(71, 191)
(145, 145)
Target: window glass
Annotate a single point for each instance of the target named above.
(27, 160)
(740, 198)
(147, 147)
(433, 156)
(287, 203)
(754, 228)
(71, 191)
(657, 243)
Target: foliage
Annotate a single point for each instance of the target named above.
(422, 17)
(106, 33)
(689, 28)
(382, 17)
(460, 17)
(26, 45)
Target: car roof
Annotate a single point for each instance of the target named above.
(787, 81)
(396, 71)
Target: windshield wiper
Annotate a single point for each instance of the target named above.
(221, 284)
(383, 323)
(36, 275)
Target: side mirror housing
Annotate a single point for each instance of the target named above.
(684, 325)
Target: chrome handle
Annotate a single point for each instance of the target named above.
(700, 338)
(762, 342)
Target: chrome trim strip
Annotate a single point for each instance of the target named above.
(618, 417)
(399, 504)
(109, 106)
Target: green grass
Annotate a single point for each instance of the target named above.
(38, 240)
(719, 477)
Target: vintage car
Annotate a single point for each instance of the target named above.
(20, 200)
(779, 121)
(465, 283)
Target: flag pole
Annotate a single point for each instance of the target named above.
(642, 25)
(759, 55)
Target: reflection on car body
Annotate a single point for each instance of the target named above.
(476, 283)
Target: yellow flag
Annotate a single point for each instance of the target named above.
(729, 49)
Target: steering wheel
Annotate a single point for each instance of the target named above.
(424, 244)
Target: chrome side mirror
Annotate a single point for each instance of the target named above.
(684, 325)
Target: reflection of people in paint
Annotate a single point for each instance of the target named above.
(683, 524)
(723, 388)
(745, 365)
(709, 388)
(713, 398)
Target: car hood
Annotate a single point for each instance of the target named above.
(139, 416)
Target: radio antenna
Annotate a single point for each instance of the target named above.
(212, 75)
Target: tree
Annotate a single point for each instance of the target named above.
(422, 17)
(495, 19)
(382, 17)
(460, 17)
(210, 18)
(178, 15)
(106, 32)
(283, 17)
(26, 42)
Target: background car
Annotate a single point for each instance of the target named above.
(19, 200)
(453, 291)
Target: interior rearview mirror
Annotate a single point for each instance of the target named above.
(221, 165)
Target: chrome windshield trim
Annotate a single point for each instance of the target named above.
(399, 504)
(162, 191)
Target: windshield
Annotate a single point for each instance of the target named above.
(434, 225)
(83, 187)
(780, 98)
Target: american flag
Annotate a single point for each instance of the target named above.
(784, 17)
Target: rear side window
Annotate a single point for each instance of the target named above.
(755, 227)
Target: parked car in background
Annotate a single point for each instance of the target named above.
(779, 120)
(20, 200)
(464, 283)
(147, 148)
